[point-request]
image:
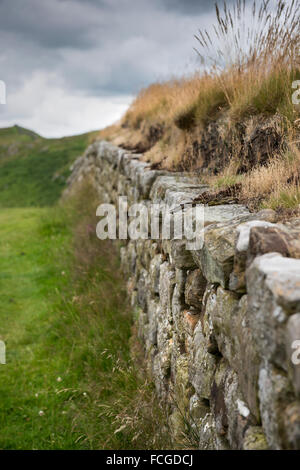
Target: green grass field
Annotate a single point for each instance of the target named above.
(28, 384)
(56, 344)
(69, 381)
(33, 170)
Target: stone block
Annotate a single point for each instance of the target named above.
(293, 351)
(273, 284)
(202, 365)
(235, 341)
(194, 288)
(274, 395)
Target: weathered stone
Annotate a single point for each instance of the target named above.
(133, 297)
(107, 151)
(274, 395)
(161, 371)
(277, 238)
(143, 248)
(217, 254)
(176, 199)
(180, 278)
(273, 292)
(239, 416)
(143, 289)
(292, 426)
(177, 351)
(282, 277)
(162, 360)
(231, 414)
(236, 343)
(244, 232)
(176, 426)
(138, 269)
(198, 408)
(255, 439)
(164, 330)
(177, 310)
(180, 257)
(237, 280)
(132, 166)
(189, 321)
(223, 213)
(207, 433)
(293, 350)
(175, 183)
(195, 288)
(121, 185)
(154, 249)
(211, 352)
(216, 257)
(203, 365)
(166, 287)
(217, 399)
(142, 322)
(177, 304)
(208, 305)
(209, 439)
(155, 264)
(153, 312)
(145, 180)
(182, 385)
(124, 162)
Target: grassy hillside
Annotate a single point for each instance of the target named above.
(69, 381)
(33, 170)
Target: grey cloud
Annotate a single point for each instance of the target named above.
(54, 24)
(96, 47)
(188, 7)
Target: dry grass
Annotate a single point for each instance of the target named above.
(161, 102)
(250, 58)
(276, 184)
(184, 102)
(248, 69)
(200, 99)
(255, 64)
(246, 34)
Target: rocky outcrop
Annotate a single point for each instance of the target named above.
(220, 325)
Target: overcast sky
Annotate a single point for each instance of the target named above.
(72, 66)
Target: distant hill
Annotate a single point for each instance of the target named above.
(7, 134)
(33, 170)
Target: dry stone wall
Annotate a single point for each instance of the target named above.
(219, 325)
